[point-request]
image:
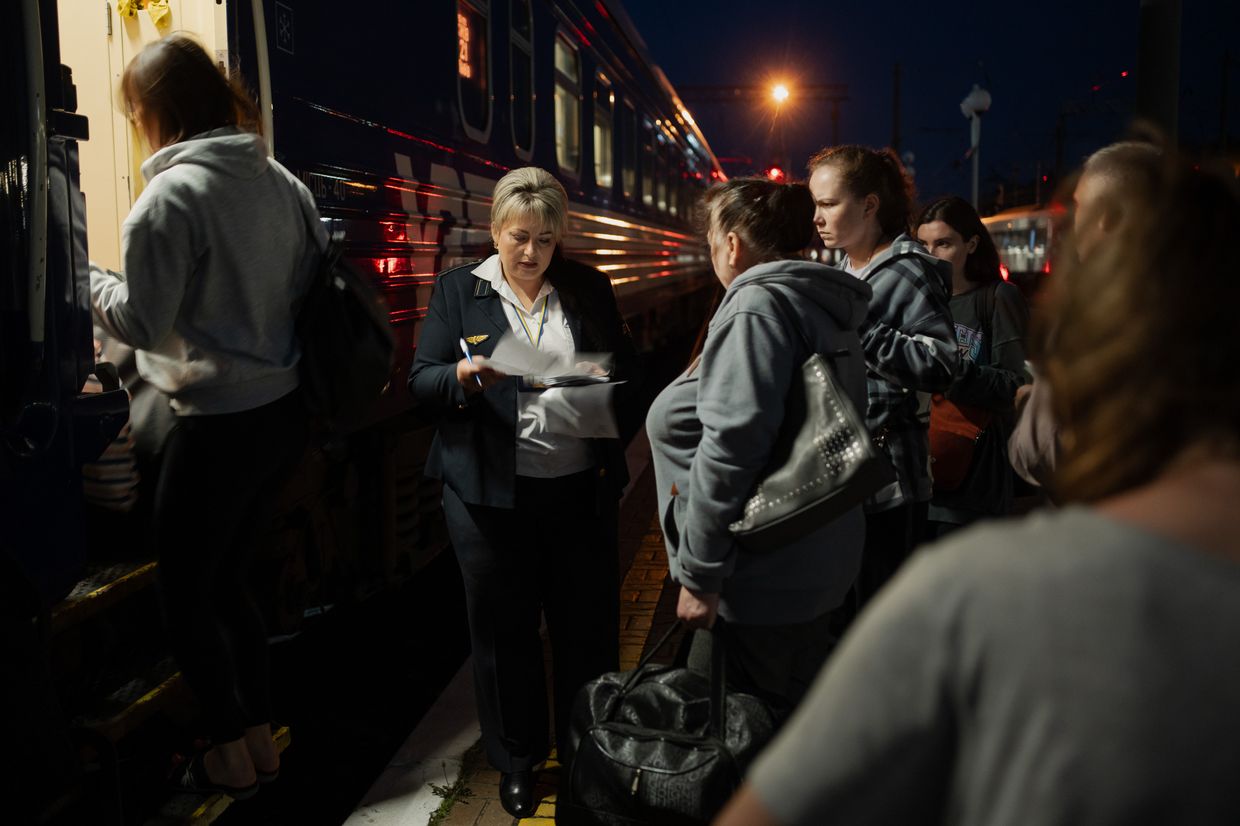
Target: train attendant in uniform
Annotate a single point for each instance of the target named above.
(864, 203)
(712, 431)
(531, 507)
(216, 254)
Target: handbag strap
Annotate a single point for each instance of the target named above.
(718, 681)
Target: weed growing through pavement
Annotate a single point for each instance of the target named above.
(452, 793)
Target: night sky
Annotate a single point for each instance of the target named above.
(1034, 57)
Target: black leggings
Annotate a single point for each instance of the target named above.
(217, 491)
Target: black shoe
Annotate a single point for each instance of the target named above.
(516, 792)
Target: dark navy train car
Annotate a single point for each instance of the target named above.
(401, 117)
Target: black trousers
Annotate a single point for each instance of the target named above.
(217, 491)
(776, 663)
(554, 554)
(888, 543)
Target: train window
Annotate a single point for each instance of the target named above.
(661, 182)
(648, 166)
(628, 150)
(473, 69)
(521, 74)
(604, 103)
(567, 104)
(522, 21)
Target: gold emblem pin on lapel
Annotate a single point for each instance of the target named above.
(476, 339)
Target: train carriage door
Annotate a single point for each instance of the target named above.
(97, 46)
(521, 78)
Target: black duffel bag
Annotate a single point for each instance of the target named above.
(659, 745)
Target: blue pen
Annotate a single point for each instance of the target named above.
(470, 359)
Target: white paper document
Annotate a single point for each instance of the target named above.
(539, 368)
(585, 412)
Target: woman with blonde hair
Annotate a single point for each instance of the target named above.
(531, 507)
(1078, 667)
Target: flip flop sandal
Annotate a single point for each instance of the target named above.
(191, 778)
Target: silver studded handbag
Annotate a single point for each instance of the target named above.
(823, 463)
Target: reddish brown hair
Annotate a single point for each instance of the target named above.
(874, 171)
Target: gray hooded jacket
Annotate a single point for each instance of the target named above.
(713, 428)
(215, 261)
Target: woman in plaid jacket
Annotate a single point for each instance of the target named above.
(863, 202)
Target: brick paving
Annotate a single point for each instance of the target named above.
(647, 609)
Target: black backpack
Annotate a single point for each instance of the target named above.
(346, 341)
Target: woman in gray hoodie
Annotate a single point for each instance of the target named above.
(216, 255)
(713, 428)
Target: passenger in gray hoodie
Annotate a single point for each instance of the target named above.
(217, 254)
(713, 428)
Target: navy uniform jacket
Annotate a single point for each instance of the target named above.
(475, 449)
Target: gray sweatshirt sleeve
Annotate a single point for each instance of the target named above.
(159, 256)
(746, 369)
(872, 741)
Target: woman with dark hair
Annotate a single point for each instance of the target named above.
(712, 431)
(1078, 667)
(863, 201)
(217, 252)
(971, 422)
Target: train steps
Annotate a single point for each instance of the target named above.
(102, 587)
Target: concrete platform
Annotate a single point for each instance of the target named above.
(439, 776)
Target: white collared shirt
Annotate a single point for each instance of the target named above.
(540, 452)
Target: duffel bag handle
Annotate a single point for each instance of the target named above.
(718, 681)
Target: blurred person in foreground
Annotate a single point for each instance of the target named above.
(1114, 182)
(1078, 667)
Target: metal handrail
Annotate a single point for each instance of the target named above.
(36, 104)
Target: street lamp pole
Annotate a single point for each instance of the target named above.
(973, 107)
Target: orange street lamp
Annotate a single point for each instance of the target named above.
(780, 93)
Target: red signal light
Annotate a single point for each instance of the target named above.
(1005, 272)
(776, 174)
(1123, 74)
(1046, 268)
